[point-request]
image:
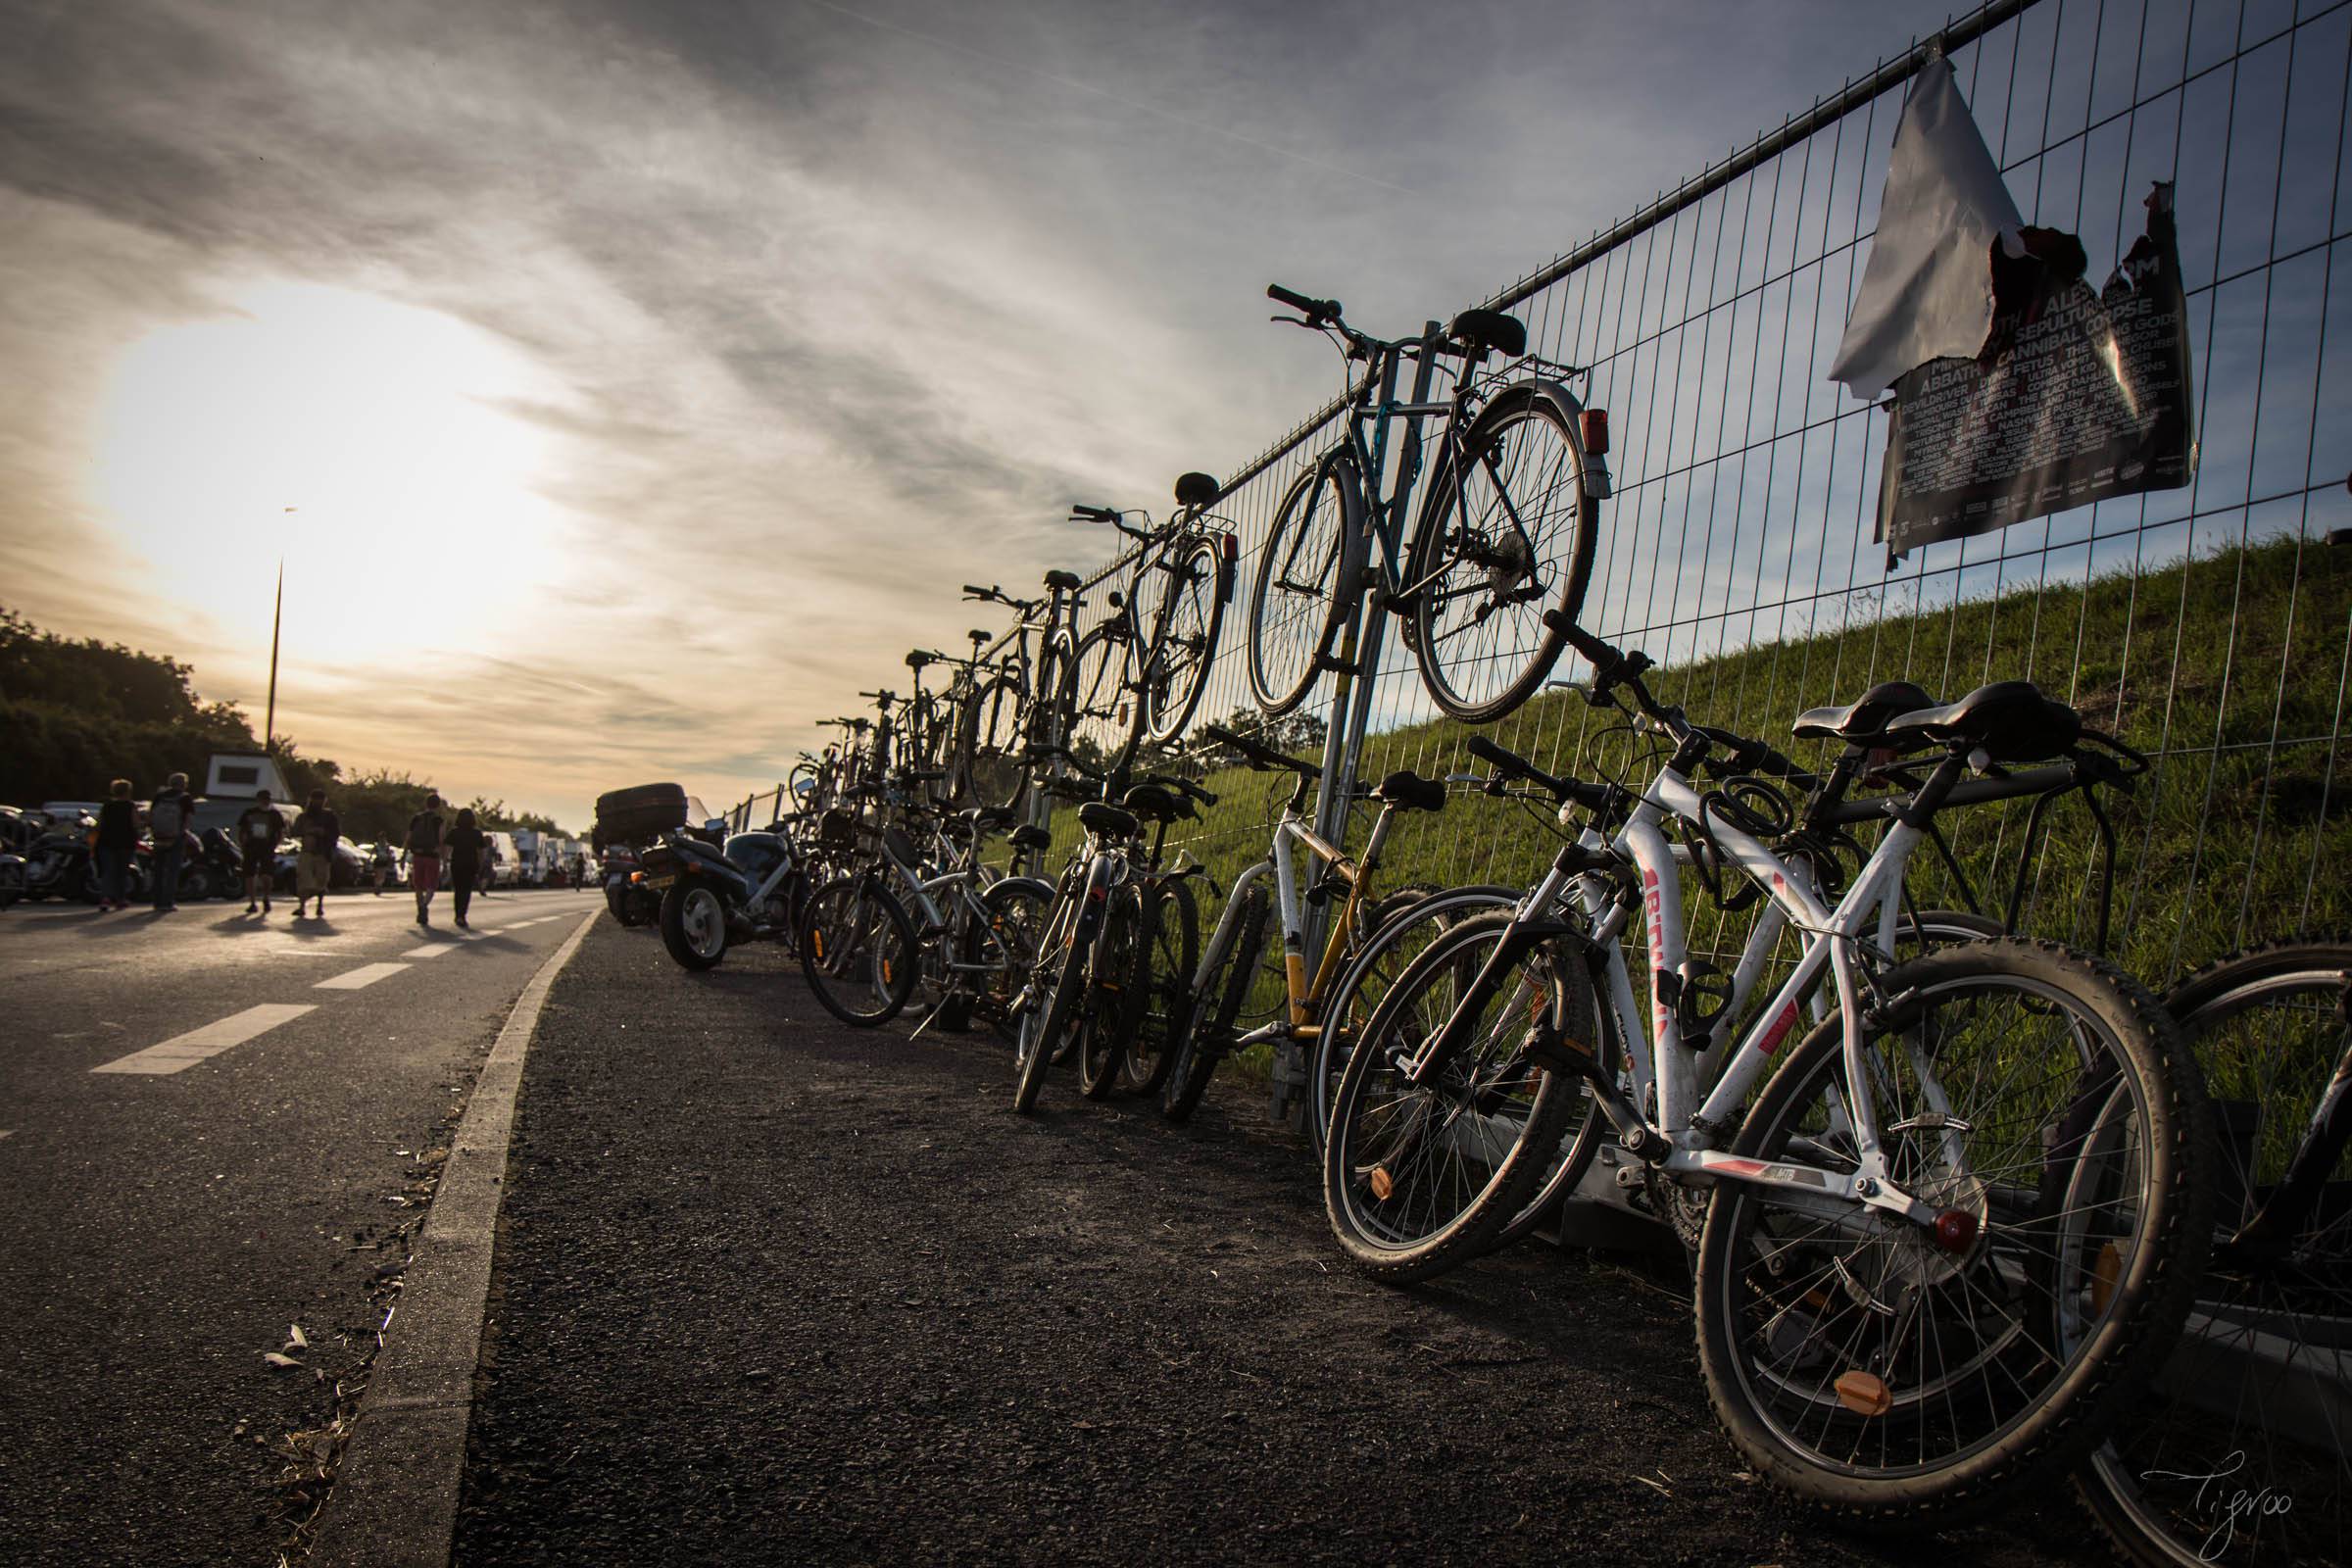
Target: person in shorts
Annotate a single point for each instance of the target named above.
(259, 829)
(426, 840)
(316, 833)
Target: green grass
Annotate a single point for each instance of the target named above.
(2227, 667)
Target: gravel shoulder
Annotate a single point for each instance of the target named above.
(771, 1288)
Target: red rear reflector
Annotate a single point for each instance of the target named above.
(1596, 432)
(1955, 1230)
(1233, 546)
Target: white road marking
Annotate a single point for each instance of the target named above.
(432, 949)
(367, 974)
(185, 1051)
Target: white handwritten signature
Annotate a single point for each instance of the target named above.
(2226, 1507)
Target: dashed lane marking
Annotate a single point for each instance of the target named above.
(367, 974)
(182, 1051)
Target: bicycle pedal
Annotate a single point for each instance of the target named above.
(1335, 664)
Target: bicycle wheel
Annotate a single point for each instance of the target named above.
(2239, 1458)
(1056, 990)
(1401, 926)
(1177, 671)
(2042, 1104)
(1507, 535)
(994, 718)
(858, 949)
(1016, 917)
(1175, 950)
(1297, 607)
(1216, 1001)
(1121, 978)
(1096, 696)
(1417, 1178)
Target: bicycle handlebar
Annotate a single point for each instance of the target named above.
(1261, 754)
(1592, 797)
(1317, 312)
(1079, 513)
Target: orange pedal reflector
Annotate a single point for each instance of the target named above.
(1382, 1183)
(1864, 1393)
(2105, 1275)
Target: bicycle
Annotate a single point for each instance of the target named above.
(1317, 1010)
(1937, 1255)
(1166, 631)
(1017, 709)
(1505, 532)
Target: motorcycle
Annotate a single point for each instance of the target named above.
(632, 902)
(61, 866)
(212, 867)
(750, 890)
(12, 877)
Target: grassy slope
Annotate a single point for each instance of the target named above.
(2227, 667)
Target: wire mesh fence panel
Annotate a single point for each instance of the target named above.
(2209, 626)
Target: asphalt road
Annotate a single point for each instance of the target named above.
(772, 1290)
(215, 1128)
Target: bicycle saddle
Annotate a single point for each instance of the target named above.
(1408, 791)
(1481, 330)
(2010, 720)
(1196, 489)
(988, 816)
(1864, 717)
(1066, 580)
(1029, 836)
(1155, 803)
(1109, 820)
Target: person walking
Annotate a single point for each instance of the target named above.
(168, 825)
(465, 862)
(259, 830)
(426, 835)
(316, 832)
(117, 843)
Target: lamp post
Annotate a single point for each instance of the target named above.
(276, 615)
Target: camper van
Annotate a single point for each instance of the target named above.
(506, 861)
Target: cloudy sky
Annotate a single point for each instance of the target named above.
(644, 377)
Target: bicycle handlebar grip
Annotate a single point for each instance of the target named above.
(1299, 302)
(978, 592)
(1093, 513)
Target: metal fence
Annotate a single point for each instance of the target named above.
(2210, 625)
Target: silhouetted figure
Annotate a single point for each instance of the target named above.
(316, 832)
(466, 861)
(259, 829)
(426, 833)
(168, 825)
(117, 844)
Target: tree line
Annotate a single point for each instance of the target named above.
(74, 715)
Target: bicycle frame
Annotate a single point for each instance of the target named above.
(1686, 1124)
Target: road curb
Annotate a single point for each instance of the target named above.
(395, 1498)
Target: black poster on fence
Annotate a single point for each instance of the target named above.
(2080, 394)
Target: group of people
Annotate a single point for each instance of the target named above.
(317, 830)
(438, 850)
(170, 828)
(463, 844)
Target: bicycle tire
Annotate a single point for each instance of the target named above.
(1120, 977)
(1175, 951)
(1389, 922)
(858, 950)
(1192, 614)
(1506, 558)
(995, 717)
(1016, 908)
(1096, 694)
(2128, 1059)
(1297, 581)
(1216, 1001)
(1417, 1179)
(2206, 1502)
(1056, 991)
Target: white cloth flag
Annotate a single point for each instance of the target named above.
(1927, 293)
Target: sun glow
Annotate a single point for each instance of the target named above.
(418, 521)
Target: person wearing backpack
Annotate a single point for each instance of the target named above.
(258, 831)
(316, 832)
(168, 825)
(426, 837)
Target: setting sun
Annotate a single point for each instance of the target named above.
(391, 429)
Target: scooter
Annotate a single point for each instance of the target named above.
(752, 891)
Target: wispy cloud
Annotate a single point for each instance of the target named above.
(830, 306)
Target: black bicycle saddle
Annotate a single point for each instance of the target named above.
(2011, 720)
(1864, 719)
(1481, 330)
